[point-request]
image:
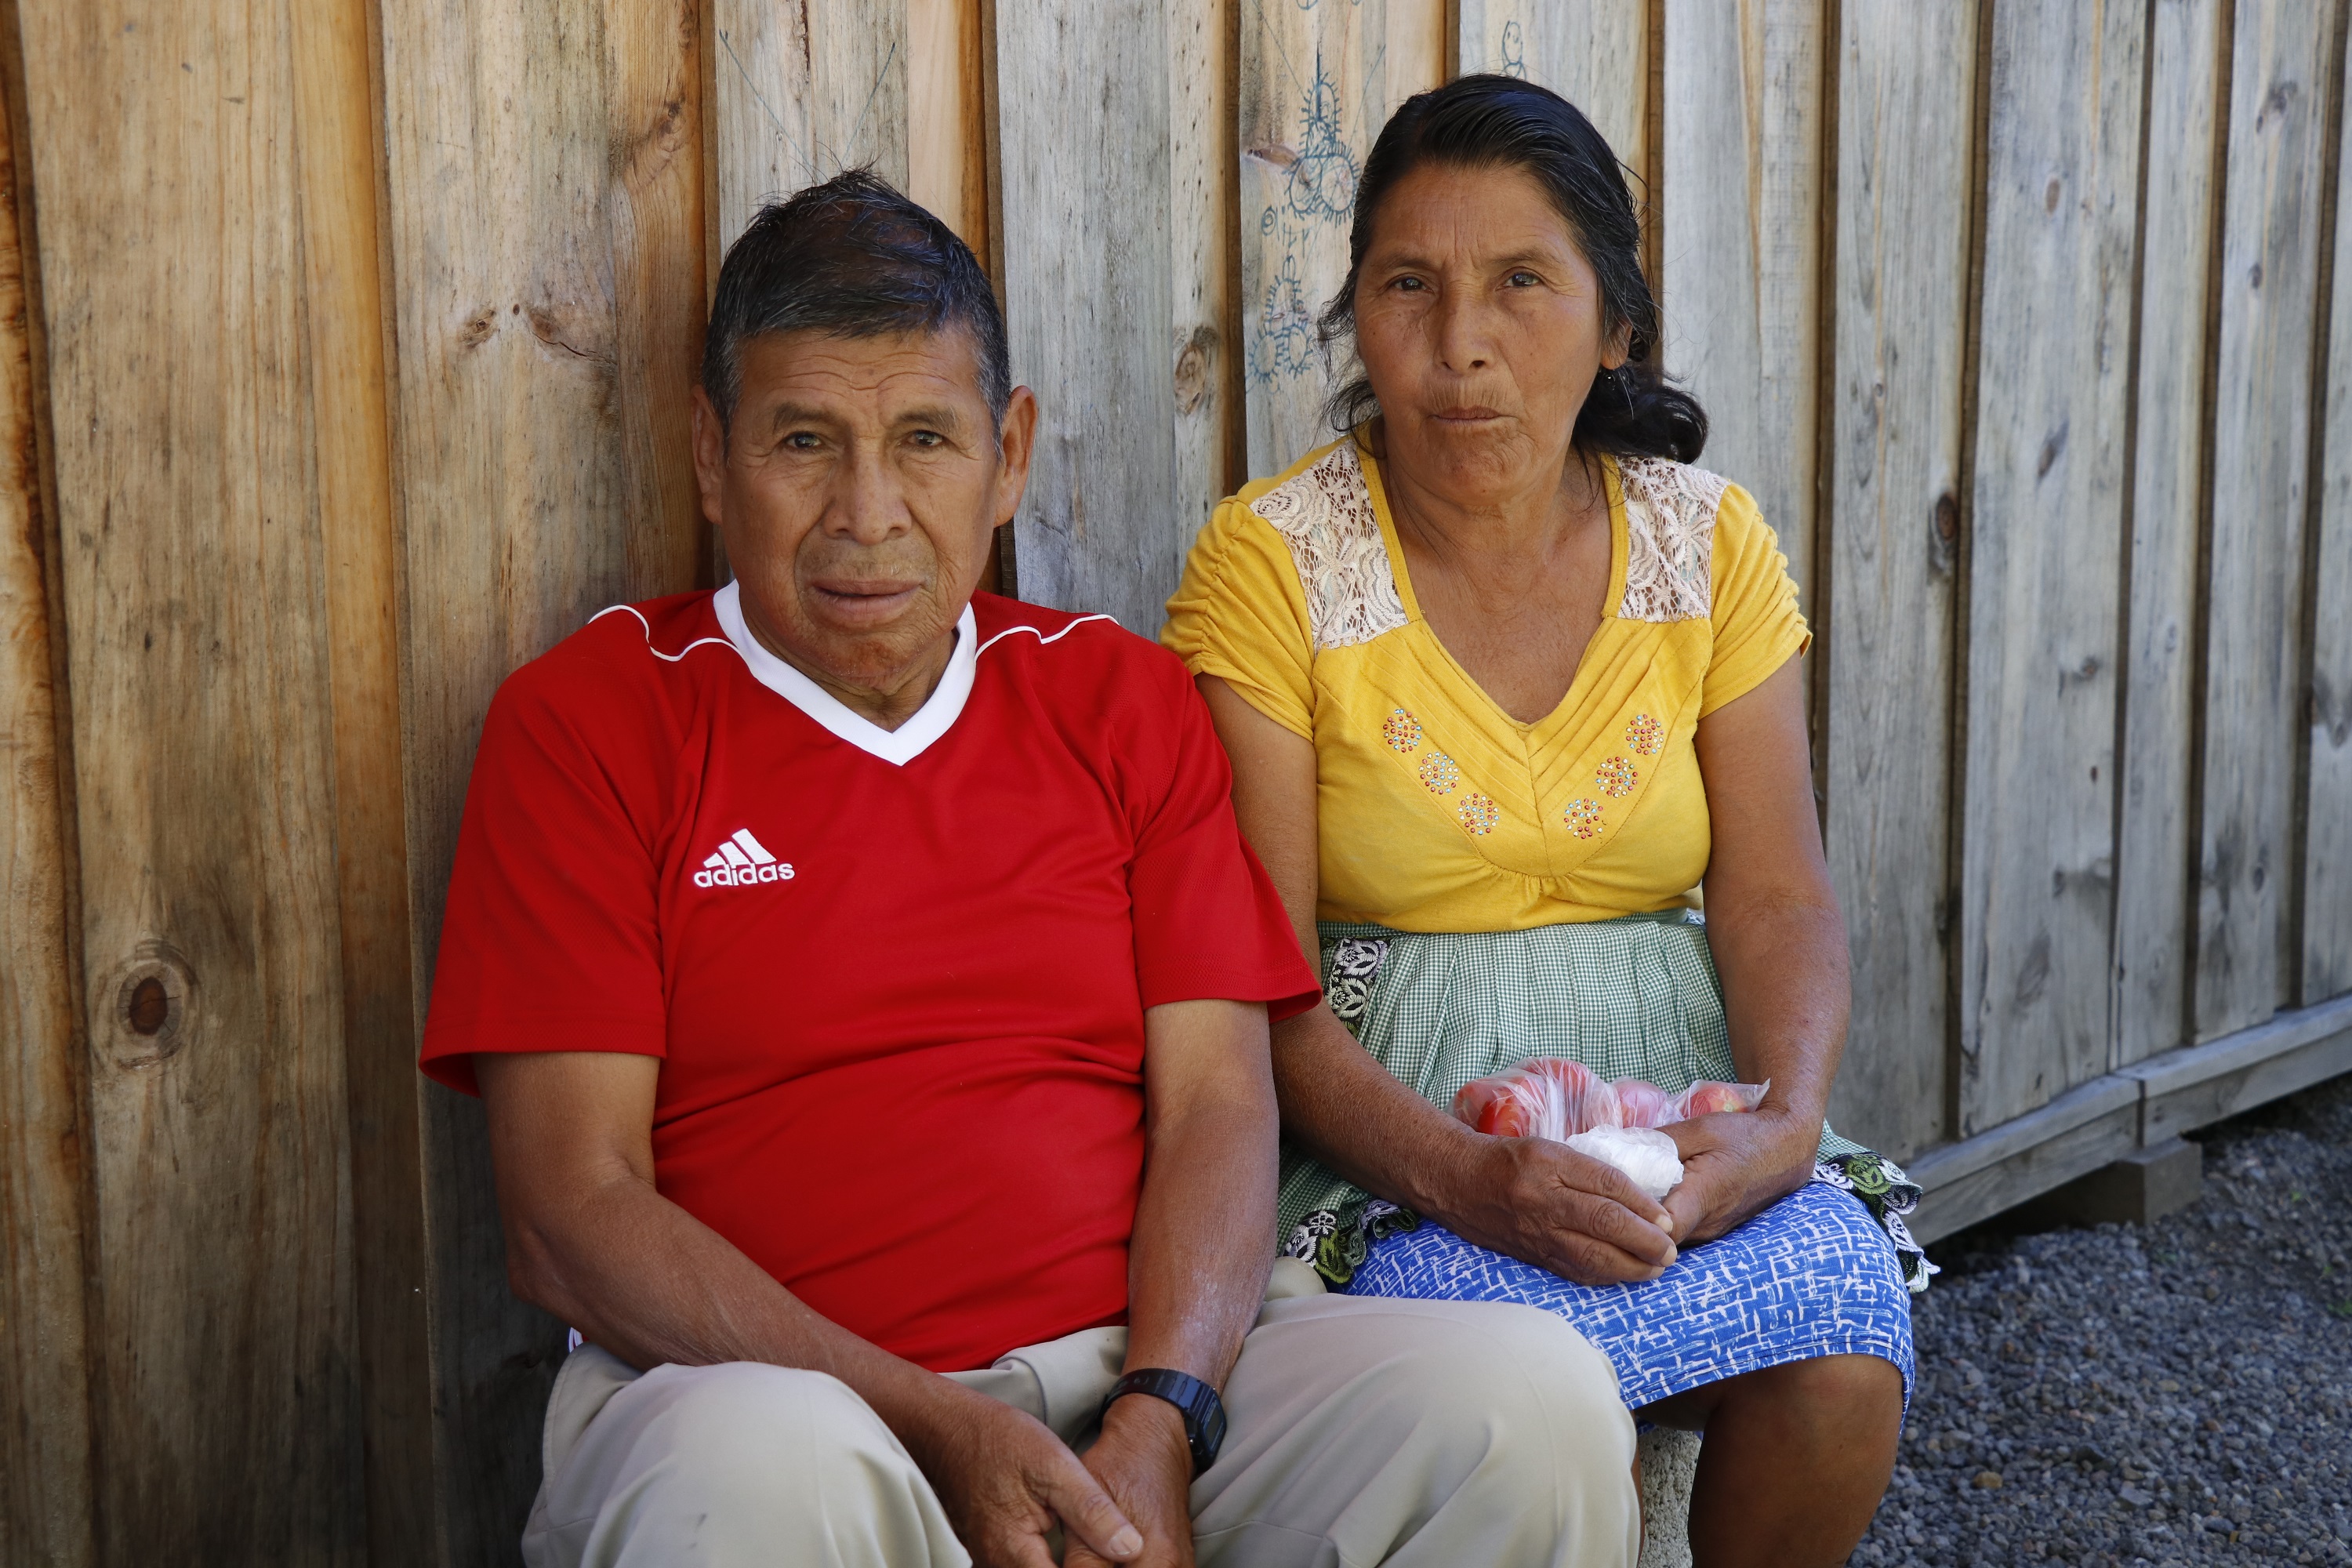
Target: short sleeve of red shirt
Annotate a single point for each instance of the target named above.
(549, 942)
(1207, 922)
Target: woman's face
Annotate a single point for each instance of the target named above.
(1479, 323)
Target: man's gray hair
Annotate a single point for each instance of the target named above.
(853, 258)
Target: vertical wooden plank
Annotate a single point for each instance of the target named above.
(2269, 263)
(336, 143)
(194, 567)
(1740, 245)
(2328, 843)
(2179, 208)
(2037, 863)
(1593, 53)
(1086, 247)
(546, 228)
(947, 152)
(802, 92)
(1314, 90)
(45, 1483)
(1421, 37)
(1904, 90)
(1204, 178)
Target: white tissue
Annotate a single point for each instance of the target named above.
(1643, 1153)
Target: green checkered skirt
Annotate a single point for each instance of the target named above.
(1634, 997)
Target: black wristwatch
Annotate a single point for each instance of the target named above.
(1203, 1412)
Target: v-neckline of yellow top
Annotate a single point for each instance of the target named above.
(1437, 810)
(1376, 490)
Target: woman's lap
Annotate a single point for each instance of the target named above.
(1811, 1275)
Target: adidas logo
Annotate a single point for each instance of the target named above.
(740, 861)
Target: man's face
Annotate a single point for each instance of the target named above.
(857, 489)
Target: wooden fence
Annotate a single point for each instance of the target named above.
(345, 347)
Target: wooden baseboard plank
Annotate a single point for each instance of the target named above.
(2029, 1172)
(2020, 1136)
(2143, 1104)
(2192, 1105)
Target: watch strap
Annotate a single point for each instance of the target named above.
(1203, 1412)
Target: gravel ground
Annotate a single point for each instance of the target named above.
(2171, 1393)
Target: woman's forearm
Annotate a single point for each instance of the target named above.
(1786, 995)
(1351, 1113)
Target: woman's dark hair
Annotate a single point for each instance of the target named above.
(1500, 122)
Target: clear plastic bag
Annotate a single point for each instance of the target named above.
(1551, 1096)
(1543, 1097)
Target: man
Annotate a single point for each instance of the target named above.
(868, 988)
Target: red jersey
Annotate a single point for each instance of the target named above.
(897, 978)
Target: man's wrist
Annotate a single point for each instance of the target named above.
(1153, 1426)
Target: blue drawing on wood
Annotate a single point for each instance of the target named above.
(1515, 51)
(1283, 345)
(1322, 185)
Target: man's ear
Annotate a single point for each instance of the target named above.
(710, 455)
(1016, 443)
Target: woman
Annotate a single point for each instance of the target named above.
(1504, 684)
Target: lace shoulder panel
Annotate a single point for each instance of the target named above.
(1324, 514)
(1670, 540)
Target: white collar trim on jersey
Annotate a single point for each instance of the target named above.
(899, 746)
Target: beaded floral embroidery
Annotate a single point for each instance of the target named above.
(1645, 735)
(1617, 777)
(1477, 814)
(1402, 731)
(1440, 773)
(1583, 817)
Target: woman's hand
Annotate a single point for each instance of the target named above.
(1735, 1165)
(1545, 1203)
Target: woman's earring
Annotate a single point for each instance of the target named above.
(1624, 387)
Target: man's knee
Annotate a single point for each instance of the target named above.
(739, 1462)
(735, 1423)
(1488, 1363)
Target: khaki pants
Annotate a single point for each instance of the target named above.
(1361, 1431)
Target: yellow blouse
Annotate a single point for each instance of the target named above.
(1439, 812)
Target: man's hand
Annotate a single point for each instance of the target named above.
(1142, 1460)
(1545, 1204)
(1006, 1481)
(1735, 1165)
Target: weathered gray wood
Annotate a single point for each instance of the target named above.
(1088, 300)
(45, 1458)
(2079, 1107)
(2141, 1105)
(2198, 1085)
(801, 92)
(2270, 256)
(2328, 844)
(1593, 53)
(2037, 865)
(1315, 89)
(1905, 78)
(2152, 852)
(1739, 248)
(186, 450)
(1976, 1178)
(547, 231)
(1204, 181)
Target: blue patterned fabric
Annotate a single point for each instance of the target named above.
(1811, 1275)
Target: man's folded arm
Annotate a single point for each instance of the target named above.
(590, 1240)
